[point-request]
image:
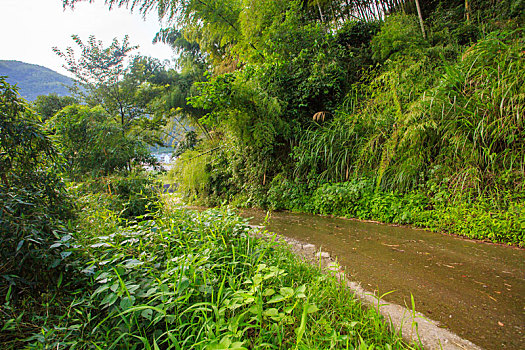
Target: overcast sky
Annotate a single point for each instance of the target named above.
(29, 29)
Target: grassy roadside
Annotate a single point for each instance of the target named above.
(482, 219)
(188, 280)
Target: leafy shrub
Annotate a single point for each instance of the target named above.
(191, 173)
(286, 194)
(139, 194)
(357, 34)
(94, 144)
(479, 220)
(216, 173)
(46, 106)
(342, 198)
(33, 200)
(359, 199)
(130, 196)
(399, 35)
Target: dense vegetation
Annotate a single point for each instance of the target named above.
(33, 196)
(91, 257)
(309, 102)
(106, 265)
(34, 80)
(399, 111)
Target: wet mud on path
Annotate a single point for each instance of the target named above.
(476, 290)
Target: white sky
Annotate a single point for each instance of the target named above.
(29, 29)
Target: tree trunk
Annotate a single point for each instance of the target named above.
(467, 10)
(420, 19)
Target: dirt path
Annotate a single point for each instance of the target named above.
(475, 290)
(414, 326)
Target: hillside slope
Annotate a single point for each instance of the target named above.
(34, 80)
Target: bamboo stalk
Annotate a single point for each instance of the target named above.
(378, 10)
(360, 10)
(420, 19)
(383, 7)
(320, 12)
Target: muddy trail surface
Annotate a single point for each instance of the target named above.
(475, 289)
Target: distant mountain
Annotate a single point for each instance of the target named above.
(34, 80)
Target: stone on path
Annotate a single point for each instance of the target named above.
(323, 255)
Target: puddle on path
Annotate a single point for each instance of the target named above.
(475, 289)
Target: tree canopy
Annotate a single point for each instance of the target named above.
(123, 85)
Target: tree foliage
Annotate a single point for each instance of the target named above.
(93, 144)
(32, 194)
(46, 106)
(123, 86)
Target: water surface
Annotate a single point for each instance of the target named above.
(475, 289)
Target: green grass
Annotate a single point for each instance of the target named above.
(189, 280)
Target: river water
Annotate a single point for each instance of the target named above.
(475, 289)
